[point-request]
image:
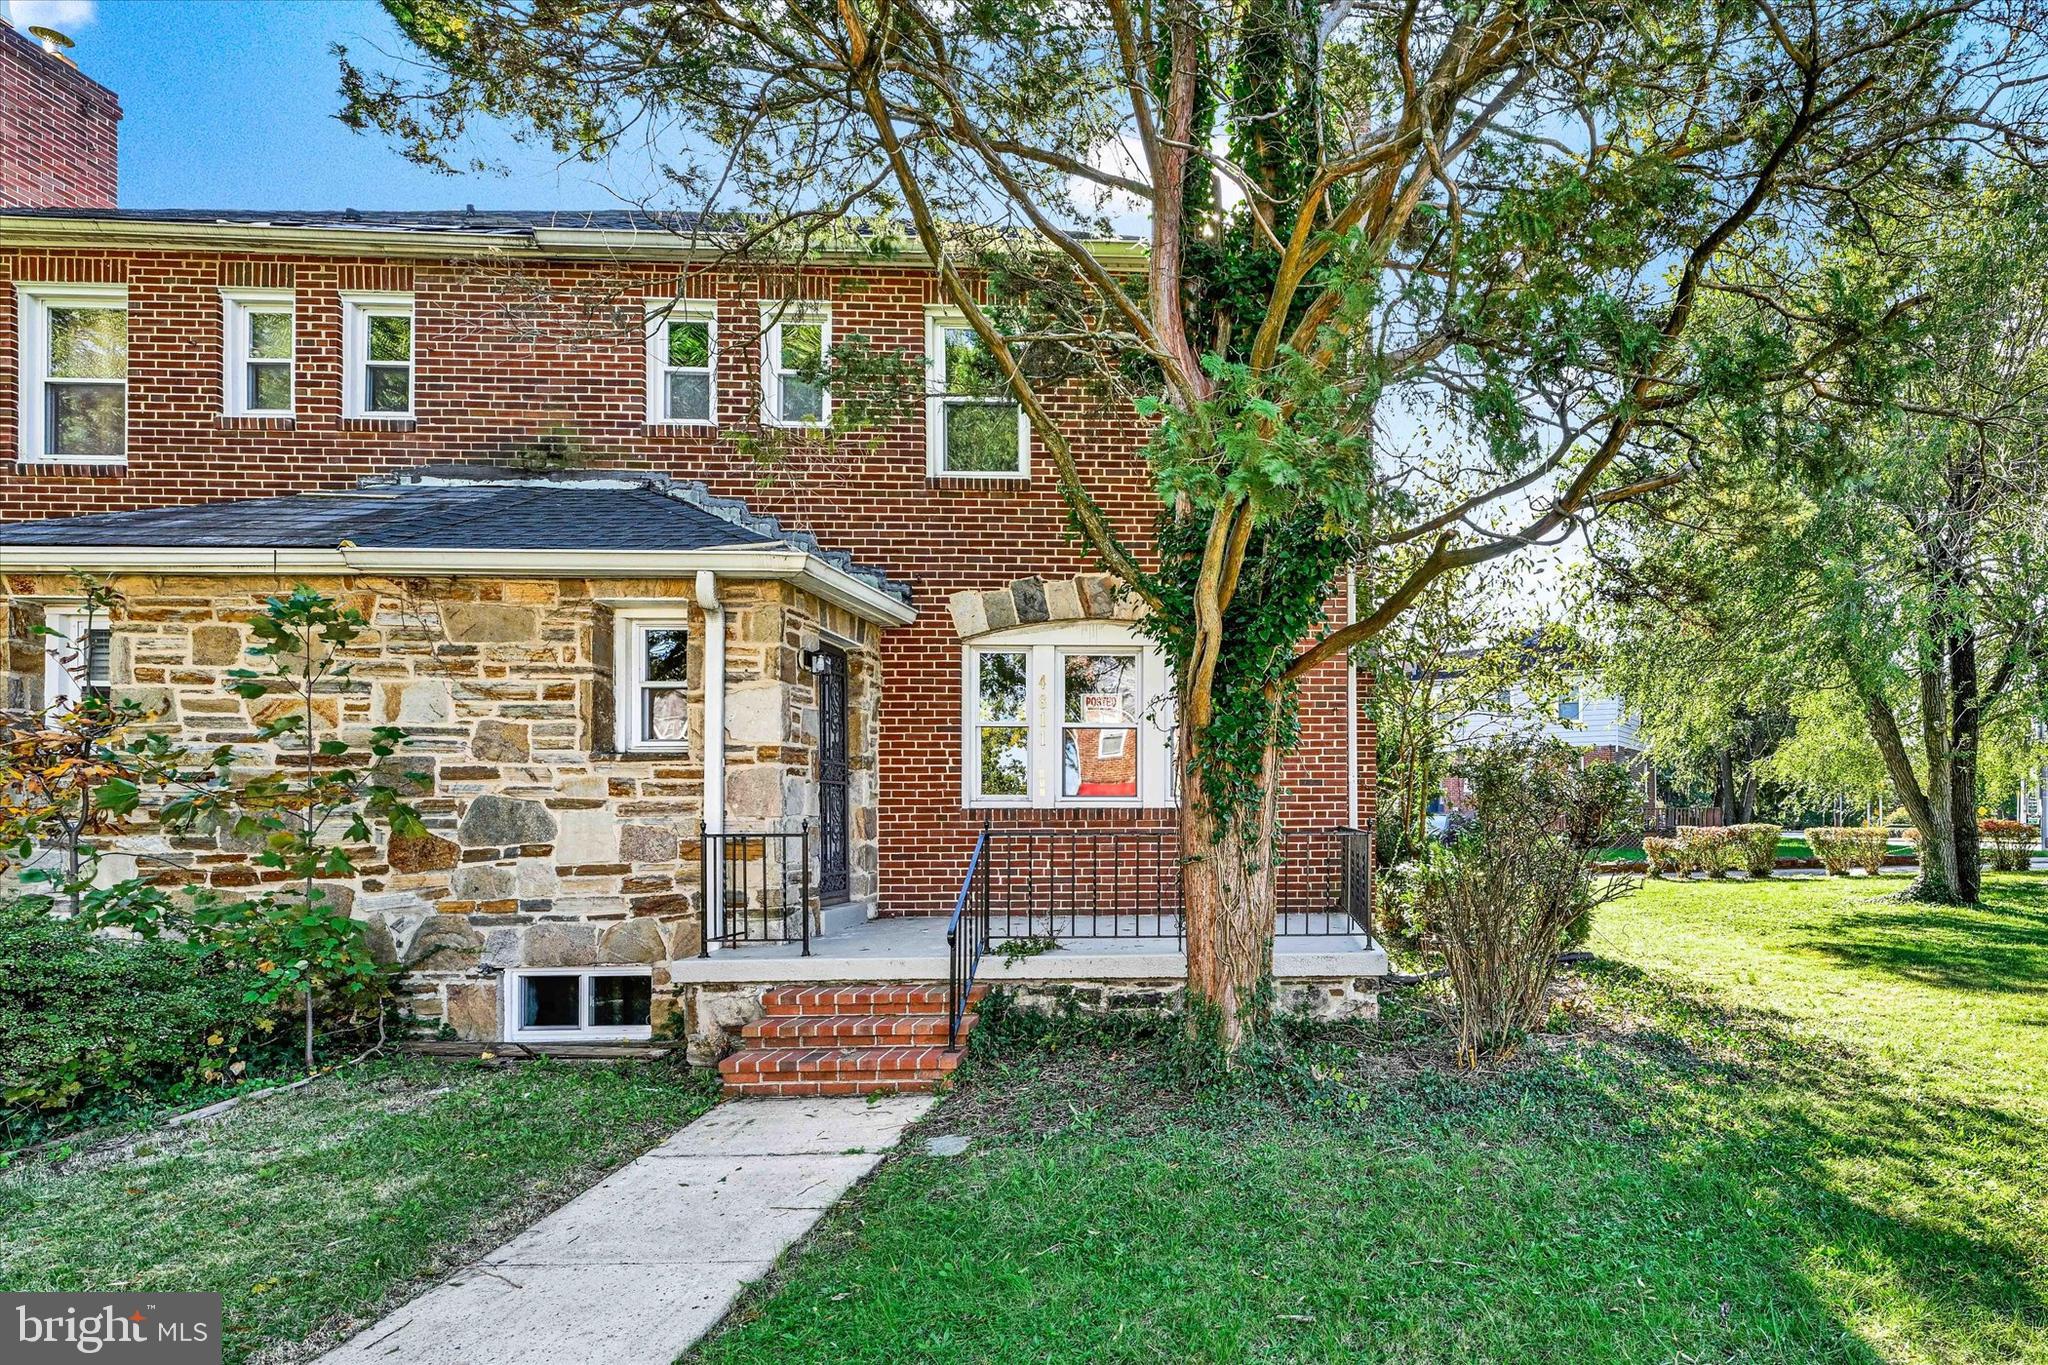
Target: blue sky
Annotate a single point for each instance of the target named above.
(230, 104)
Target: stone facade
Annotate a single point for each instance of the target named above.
(544, 847)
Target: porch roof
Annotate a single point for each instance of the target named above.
(462, 520)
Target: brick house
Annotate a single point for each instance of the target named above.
(571, 471)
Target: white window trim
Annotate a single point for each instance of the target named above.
(773, 317)
(236, 305)
(584, 1031)
(630, 627)
(356, 311)
(1046, 646)
(67, 621)
(936, 322)
(32, 324)
(660, 312)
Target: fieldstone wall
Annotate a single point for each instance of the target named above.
(544, 848)
(711, 1014)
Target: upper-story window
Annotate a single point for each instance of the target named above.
(74, 373)
(682, 382)
(973, 426)
(794, 340)
(1568, 709)
(1067, 715)
(258, 348)
(377, 355)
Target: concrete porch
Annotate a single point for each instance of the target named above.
(880, 989)
(913, 949)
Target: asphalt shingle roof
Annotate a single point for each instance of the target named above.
(474, 517)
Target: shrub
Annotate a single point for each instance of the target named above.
(1706, 848)
(1841, 848)
(86, 1017)
(2011, 843)
(1755, 847)
(1661, 854)
(1502, 898)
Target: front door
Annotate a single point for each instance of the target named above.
(833, 831)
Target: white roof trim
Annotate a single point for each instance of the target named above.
(341, 239)
(807, 571)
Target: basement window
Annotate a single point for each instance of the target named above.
(594, 1005)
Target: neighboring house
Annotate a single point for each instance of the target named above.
(1584, 717)
(892, 630)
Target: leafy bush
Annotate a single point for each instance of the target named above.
(1706, 848)
(2011, 843)
(1755, 847)
(1843, 847)
(83, 1017)
(1661, 854)
(1501, 899)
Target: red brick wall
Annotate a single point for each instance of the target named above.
(58, 130)
(505, 355)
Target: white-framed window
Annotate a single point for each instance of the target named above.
(377, 355)
(1067, 714)
(257, 349)
(653, 675)
(77, 654)
(1568, 709)
(74, 373)
(974, 428)
(591, 1004)
(795, 338)
(682, 348)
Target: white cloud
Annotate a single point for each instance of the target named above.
(66, 16)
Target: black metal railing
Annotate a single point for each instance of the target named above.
(1127, 883)
(967, 938)
(1323, 883)
(1063, 884)
(1083, 883)
(759, 882)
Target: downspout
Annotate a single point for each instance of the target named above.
(714, 746)
(1351, 701)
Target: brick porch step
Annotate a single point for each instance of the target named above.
(841, 1030)
(833, 1061)
(846, 1040)
(875, 999)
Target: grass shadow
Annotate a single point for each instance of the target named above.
(1999, 946)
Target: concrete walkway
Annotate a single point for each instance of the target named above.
(642, 1264)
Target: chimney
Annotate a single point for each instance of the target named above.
(59, 135)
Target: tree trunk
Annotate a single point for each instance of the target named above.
(1227, 911)
(1724, 787)
(1964, 727)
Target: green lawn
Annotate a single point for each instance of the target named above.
(314, 1211)
(1788, 1121)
